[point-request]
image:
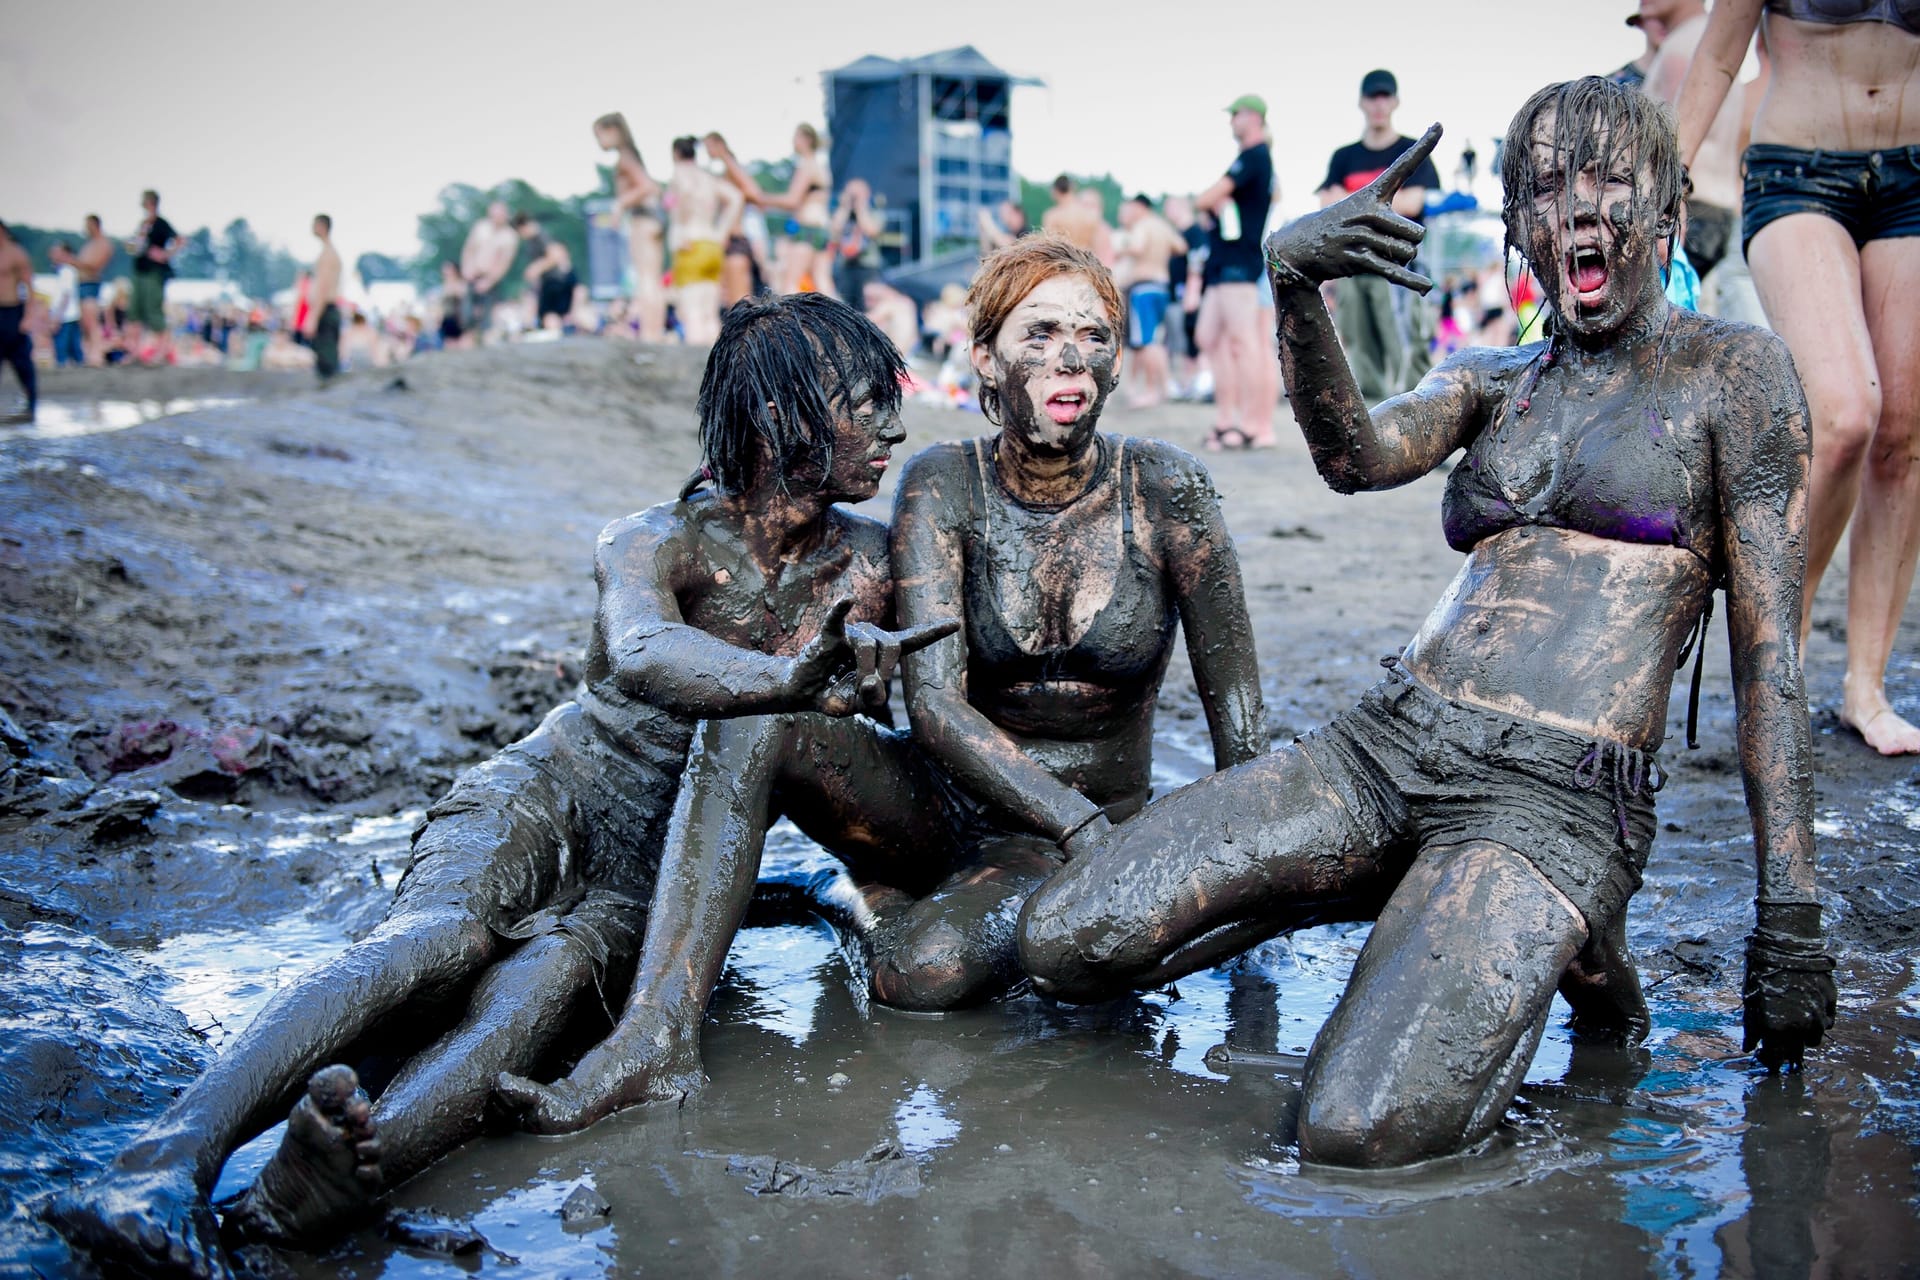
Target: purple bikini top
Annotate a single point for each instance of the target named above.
(1629, 478)
(1904, 14)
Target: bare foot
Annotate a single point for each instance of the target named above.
(624, 1070)
(326, 1172)
(1872, 717)
(1602, 987)
(154, 1221)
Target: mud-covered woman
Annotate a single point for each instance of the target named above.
(522, 910)
(1073, 559)
(1490, 802)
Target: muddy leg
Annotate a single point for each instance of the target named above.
(1196, 877)
(1431, 1039)
(149, 1209)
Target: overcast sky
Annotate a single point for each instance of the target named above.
(366, 108)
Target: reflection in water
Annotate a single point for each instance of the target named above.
(56, 418)
(923, 1122)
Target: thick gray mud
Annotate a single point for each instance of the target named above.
(243, 646)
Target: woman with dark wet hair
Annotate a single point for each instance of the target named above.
(1830, 223)
(1071, 555)
(1490, 802)
(522, 910)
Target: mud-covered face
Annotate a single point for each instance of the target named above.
(1053, 364)
(864, 435)
(1593, 236)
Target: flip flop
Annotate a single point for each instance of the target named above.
(1221, 439)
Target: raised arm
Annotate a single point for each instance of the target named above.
(1761, 455)
(1204, 569)
(1715, 66)
(1406, 437)
(929, 511)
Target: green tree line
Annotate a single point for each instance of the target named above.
(256, 268)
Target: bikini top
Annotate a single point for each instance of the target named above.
(1904, 14)
(1129, 640)
(1625, 478)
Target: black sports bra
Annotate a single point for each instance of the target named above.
(1904, 14)
(1128, 642)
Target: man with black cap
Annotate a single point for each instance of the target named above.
(1388, 352)
(1233, 327)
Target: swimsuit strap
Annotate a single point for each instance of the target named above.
(1126, 495)
(977, 489)
(1696, 641)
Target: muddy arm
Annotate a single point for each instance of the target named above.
(928, 513)
(1205, 571)
(1761, 456)
(1405, 437)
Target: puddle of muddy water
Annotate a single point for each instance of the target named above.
(56, 418)
(1097, 1141)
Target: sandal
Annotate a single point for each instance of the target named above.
(1221, 439)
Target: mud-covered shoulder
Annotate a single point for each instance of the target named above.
(864, 535)
(639, 538)
(1168, 478)
(1492, 373)
(937, 465)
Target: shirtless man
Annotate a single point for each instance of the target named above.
(1077, 222)
(16, 344)
(702, 212)
(92, 259)
(484, 262)
(322, 326)
(1142, 269)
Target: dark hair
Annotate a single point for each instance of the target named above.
(780, 372)
(94, 218)
(520, 220)
(323, 220)
(150, 194)
(1635, 127)
(1063, 184)
(1142, 201)
(684, 148)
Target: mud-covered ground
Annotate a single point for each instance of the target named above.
(244, 644)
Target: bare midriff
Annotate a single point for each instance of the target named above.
(1843, 88)
(1567, 629)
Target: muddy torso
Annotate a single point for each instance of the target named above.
(1592, 531)
(1842, 86)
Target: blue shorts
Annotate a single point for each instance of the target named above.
(89, 289)
(1874, 195)
(1146, 309)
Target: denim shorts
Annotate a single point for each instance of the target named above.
(1875, 195)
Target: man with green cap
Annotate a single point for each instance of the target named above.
(1385, 336)
(1232, 325)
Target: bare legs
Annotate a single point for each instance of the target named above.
(1445, 1006)
(1842, 313)
(645, 244)
(1245, 376)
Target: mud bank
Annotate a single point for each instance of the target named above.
(245, 644)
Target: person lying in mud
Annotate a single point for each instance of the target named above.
(1071, 556)
(523, 905)
(1490, 803)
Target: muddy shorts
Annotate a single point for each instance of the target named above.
(563, 830)
(1709, 232)
(1417, 770)
(1874, 195)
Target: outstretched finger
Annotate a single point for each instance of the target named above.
(911, 639)
(1395, 174)
(836, 621)
(869, 676)
(1385, 221)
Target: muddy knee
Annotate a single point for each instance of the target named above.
(1349, 1125)
(936, 968)
(1072, 953)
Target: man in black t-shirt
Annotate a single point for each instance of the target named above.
(151, 248)
(1232, 328)
(1384, 328)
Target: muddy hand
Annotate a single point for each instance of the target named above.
(1789, 995)
(1360, 235)
(877, 653)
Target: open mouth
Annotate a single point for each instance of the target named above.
(1587, 270)
(1065, 406)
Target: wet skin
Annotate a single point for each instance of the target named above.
(1548, 620)
(1050, 757)
(717, 605)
